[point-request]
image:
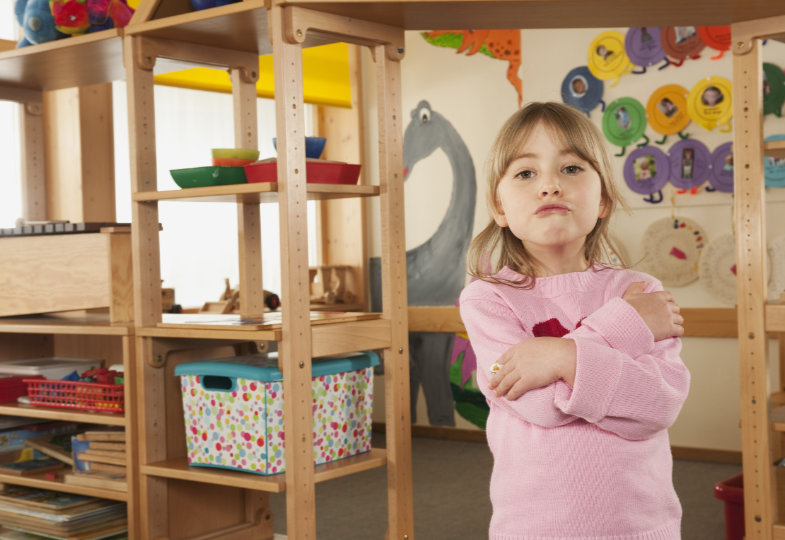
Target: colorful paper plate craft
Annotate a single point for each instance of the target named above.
(672, 248)
(716, 37)
(624, 122)
(666, 111)
(690, 164)
(721, 177)
(710, 103)
(582, 90)
(644, 48)
(717, 268)
(774, 168)
(646, 171)
(607, 58)
(681, 42)
(773, 89)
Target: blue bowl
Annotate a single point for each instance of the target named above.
(314, 146)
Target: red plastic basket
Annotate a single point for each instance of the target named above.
(79, 395)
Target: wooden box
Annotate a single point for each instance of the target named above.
(63, 272)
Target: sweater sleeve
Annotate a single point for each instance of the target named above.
(493, 328)
(625, 383)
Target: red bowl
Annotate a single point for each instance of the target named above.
(317, 171)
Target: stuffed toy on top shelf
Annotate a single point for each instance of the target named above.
(37, 22)
(47, 20)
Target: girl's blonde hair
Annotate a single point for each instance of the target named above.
(579, 136)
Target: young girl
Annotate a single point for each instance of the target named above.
(578, 360)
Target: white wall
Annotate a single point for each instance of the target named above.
(473, 94)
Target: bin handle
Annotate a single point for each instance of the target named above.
(218, 383)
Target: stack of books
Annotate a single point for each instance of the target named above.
(60, 515)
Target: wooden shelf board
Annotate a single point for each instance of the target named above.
(775, 317)
(449, 14)
(257, 192)
(74, 61)
(240, 27)
(179, 469)
(65, 415)
(39, 481)
(81, 323)
(774, 149)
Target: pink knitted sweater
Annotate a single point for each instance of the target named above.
(591, 461)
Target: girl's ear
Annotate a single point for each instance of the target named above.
(604, 208)
(498, 214)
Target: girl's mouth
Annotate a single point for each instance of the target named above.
(552, 209)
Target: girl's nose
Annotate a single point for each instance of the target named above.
(549, 188)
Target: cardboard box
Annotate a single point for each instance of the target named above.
(234, 411)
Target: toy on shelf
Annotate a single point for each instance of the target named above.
(229, 302)
(37, 22)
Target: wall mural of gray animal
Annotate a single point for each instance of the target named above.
(436, 269)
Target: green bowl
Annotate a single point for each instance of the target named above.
(236, 153)
(208, 176)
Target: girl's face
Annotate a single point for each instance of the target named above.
(551, 200)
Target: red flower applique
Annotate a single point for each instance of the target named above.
(551, 328)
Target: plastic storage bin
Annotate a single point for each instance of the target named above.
(234, 419)
(731, 492)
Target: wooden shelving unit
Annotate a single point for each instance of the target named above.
(233, 37)
(75, 334)
(761, 414)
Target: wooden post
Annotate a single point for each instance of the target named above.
(296, 346)
(248, 223)
(79, 139)
(759, 508)
(396, 358)
(31, 127)
(341, 222)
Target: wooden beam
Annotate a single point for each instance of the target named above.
(699, 322)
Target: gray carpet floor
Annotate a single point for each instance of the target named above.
(451, 496)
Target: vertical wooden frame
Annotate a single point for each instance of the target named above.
(31, 127)
(248, 220)
(759, 493)
(394, 301)
(144, 215)
(296, 345)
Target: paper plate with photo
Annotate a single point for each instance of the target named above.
(666, 110)
(681, 42)
(773, 89)
(606, 58)
(721, 174)
(672, 248)
(644, 48)
(581, 89)
(716, 37)
(624, 121)
(646, 170)
(690, 163)
(710, 103)
(774, 168)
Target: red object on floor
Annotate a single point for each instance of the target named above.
(731, 491)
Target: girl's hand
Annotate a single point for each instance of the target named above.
(657, 309)
(533, 363)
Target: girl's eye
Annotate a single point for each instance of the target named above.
(573, 169)
(525, 174)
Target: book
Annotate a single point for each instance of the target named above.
(96, 479)
(103, 435)
(90, 455)
(32, 466)
(52, 450)
(41, 499)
